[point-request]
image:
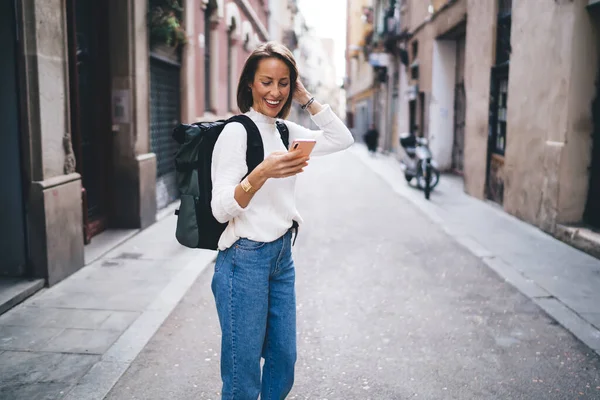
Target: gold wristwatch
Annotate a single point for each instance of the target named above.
(246, 186)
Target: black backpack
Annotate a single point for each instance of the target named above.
(196, 225)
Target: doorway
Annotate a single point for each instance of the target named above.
(412, 117)
(592, 211)
(12, 229)
(460, 109)
(89, 83)
(497, 134)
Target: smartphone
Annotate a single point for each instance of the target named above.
(305, 145)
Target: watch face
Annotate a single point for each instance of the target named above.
(246, 186)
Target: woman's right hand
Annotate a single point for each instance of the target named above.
(282, 164)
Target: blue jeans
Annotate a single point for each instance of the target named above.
(253, 285)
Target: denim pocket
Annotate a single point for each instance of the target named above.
(247, 244)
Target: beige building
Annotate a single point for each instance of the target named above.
(551, 170)
(538, 154)
(506, 92)
(435, 95)
(359, 83)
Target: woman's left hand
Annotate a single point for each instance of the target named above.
(301, 95)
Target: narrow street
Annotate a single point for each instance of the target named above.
(389, 307)
(489, 289)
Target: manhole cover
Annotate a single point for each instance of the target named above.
(109, 263)
(129, 256)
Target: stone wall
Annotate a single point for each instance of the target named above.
(129, 70)
(54, 210)
(551, 86)
(576, 157)
(479, 58)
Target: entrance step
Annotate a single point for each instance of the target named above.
(581, 237)
(111, 238)
(15, 290)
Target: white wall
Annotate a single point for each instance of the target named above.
(441, 107)
(403, 117)
(275, 17)
(362, 117)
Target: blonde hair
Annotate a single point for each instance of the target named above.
(266, 50)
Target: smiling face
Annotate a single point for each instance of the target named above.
(271, 86)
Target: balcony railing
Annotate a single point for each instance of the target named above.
(290, 40)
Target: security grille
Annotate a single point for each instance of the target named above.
(498, 102)
(458, 148)
(165, 114)
(460, 108)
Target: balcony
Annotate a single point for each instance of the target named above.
(389, 31)
(290, 39)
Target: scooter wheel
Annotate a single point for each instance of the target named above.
(427, 181)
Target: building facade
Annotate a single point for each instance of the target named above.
(199, 83)
(531, 138)
(360, 85)
(282, 22)
(90, 100)
(77, 151)
(506, 94)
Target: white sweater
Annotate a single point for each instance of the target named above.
(272, 210)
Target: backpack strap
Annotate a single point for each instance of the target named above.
(255, 152)
(284, 132)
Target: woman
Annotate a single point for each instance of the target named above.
(253, 283)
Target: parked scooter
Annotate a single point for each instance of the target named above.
(418, 163)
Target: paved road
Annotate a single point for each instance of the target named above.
(389, 307)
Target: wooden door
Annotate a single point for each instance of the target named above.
(89, 79)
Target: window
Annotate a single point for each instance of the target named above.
(414, 71)
(499, 89)
(414, 67)
(503, 48)
(499, 144)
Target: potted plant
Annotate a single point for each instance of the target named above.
(165, 20)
